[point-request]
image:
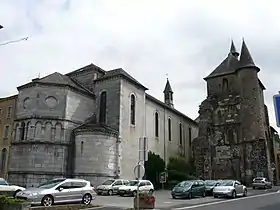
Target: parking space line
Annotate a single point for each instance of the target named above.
(220, 202)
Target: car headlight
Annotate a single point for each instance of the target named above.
(33, 194)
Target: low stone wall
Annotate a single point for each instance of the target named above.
(22, 206)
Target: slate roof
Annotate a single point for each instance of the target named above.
(59, 79)
(246, 59)
(86, 68)
(122, 73)
(168, 88)
(91, 123)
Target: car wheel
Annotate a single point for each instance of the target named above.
(87, 199)
(121, 194)
(245, 193)
(233, 195)
(215, 196)
(47, 200)
(254, 188)
(15, 193)
(190, 196)
(99, 193)
(151, 192)
(173, 196)
(110, 192)
(203, 194)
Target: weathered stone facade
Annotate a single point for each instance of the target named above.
(87, 124)
(234, 135)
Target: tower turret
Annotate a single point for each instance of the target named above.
(168, 94)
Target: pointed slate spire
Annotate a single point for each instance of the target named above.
(167, 88)
(246, 60)
(168, 94)
(233, 49)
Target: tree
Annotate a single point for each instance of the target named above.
(153, 167)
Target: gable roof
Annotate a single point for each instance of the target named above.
(228, 66)
(58, 79)
(86, 68)
(121, 73)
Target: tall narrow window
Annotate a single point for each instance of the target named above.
(132, 109)
(103, 107)
(169, 130)
(190, 137)
(22, 131)
(156, 125)
(230, 136)
(181, 134)
(9, 112)
(225, 85)
(3, 158)
(6, 132)
(0, 113)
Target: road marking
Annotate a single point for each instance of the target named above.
(226, 201)
(167, 202)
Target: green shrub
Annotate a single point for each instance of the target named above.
(10, 200)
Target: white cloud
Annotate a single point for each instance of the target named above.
(187, 39)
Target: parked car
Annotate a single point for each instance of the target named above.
(60, 190)
(261, 182)
(189, 189)
(8, 189)
(145, 186)
(210, 184)
(111, 186)
(230, 188)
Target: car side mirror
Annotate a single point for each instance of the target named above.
(60, 189)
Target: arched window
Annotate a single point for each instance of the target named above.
(103, 107)
(22, 131)
(132, 109)
(3, 158)
(225, 85)
(169, 130)
(156, 125)
(181, 134)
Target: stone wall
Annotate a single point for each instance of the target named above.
(96, 156)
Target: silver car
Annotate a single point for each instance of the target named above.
(60, 190)
(111, 186)
(261, 182)
(230, 188)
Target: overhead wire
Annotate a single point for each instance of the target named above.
(14, 41)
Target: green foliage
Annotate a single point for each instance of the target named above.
(153, 167)
(179, 169)
(10, 200)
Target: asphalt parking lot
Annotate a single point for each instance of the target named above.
(164, 200)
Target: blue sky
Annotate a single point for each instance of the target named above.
(186, 39)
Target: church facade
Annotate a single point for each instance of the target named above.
(234, 139)
(87, 124)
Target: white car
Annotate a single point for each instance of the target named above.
(111, 186)
(230, 188)
(145, 186)
(6, 188)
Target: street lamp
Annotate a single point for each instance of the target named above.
(1, 27)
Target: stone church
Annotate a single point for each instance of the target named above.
(234, 139)
(88, 123)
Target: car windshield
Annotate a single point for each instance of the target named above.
(258, 179)
(3, 182)
(227, 183)
(184, 184)
(133, 183)
(108, 182)
(51, 184)
(210, 182)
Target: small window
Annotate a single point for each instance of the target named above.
(190, 137)
(66, 185)
(181, 134)
(156, 125)
(94, 76)
(103, 108)
(169, 130)
(132, 109)
(6, 132)
(225, 85)
(148, 183)
(142, 184)
(3, 182)
(9, 112)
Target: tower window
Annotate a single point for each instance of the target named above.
(103, 107)
(225, 85)
(22, 131)
(181, 134)
(190, 137)
(132, 109)
(156, 125)
(169, 130)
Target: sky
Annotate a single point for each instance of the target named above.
(149, 39)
